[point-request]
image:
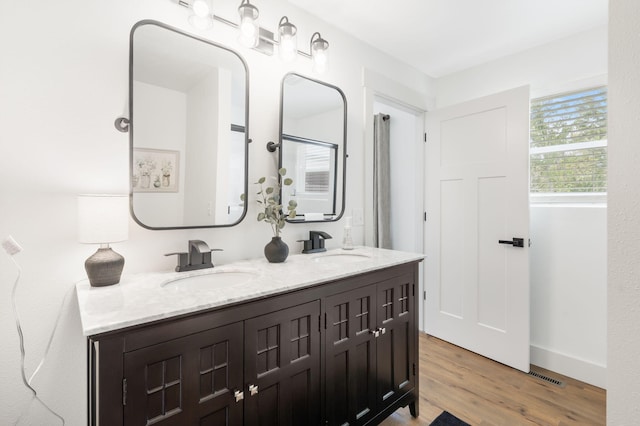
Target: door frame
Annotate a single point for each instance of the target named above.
(377, 86)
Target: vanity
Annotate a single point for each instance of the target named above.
(321, 339)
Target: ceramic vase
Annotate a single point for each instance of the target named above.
(276, 251)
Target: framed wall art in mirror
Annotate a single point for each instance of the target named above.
(188, 130)
(313, 143)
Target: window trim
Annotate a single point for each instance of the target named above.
(568, 198)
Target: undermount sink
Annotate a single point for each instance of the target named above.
(216, 278)
(340, 258)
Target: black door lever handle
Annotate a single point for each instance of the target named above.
(516, 242)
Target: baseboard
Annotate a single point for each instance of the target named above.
(579, 369)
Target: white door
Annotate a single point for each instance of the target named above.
(477, 194)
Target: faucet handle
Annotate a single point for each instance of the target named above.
(206, 256)
(183, 260)
(307, 246)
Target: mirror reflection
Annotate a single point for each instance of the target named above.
(189, 109)
(313, 147)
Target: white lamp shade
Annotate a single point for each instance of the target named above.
(103, 219)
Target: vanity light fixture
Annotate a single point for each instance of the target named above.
(253, 36)
(287, 36)
(249, 27)
(103, 219)
(318, 47)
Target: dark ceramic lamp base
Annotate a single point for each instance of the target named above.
(104, 267)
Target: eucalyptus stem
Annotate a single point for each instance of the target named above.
(272, 210)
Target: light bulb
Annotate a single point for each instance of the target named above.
(249, 27)
(288, 49)
(319, 47)
(200, 17)
(321, 57)
(200, 8)
(288, 40)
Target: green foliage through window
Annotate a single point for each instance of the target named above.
(568, 143)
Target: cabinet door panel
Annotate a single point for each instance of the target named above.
(350, 356)
(186, 381)
(395, 311)
(282, 358)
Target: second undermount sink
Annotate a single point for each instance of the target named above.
(341, 258)
(214, 279)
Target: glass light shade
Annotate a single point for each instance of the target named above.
(103, 219)
(249, 27)
(319, 48)
(287, 34)
(200, 17)
(201, 8)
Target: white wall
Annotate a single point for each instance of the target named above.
(547, 69)
(568, 254)
(63, 81)
(161, 105)
(623, 373)
(568, 290)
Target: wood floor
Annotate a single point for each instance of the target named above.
(483, 392)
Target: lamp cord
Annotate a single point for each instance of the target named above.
(26, 382)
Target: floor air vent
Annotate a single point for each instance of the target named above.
(547, 378)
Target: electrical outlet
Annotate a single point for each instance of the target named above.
(358, 217)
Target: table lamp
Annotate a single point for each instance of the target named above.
(103, 219)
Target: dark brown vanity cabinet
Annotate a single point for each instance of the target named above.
(282, 367)
(370, 350)
(190, 380)
(338, 353)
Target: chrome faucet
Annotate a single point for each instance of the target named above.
(198, 257)
(315, 243)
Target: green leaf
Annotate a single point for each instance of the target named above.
(269, 190)
(288, 181)
(292, 214)
(243, 197)
(281, 223)
(260, 217)
(261, 180)
(293, 203)
(276, 197)
(282, 171)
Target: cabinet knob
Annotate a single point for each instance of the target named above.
(383, 330)
(253, 389)
(239, 395)
(375, 332)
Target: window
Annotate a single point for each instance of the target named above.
(317, 160)
(568, 145)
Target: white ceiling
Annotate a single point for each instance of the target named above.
(440, 37)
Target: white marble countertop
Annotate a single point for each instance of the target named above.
(146, 297)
